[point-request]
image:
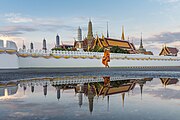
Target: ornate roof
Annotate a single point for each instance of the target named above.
(169, 51)
(109, 42)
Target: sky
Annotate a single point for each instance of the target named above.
(34, 20)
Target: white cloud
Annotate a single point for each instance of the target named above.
(169, 1)
(17, 18)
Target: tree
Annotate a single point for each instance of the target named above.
(97, 49)
(116, 49)
(59, 49)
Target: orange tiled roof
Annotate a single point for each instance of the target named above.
(109, 42)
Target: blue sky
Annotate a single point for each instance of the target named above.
(33, 20)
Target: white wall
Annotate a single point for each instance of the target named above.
(30, 62)
(9, 61)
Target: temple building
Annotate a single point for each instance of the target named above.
(169, 51)
(62, 46)
(110, 42)
(24, 47)
(44, 44)
(57, 41)
(86, 44)
(7, 89)
(142, 50)
(90, 42)
(78, 44)
(45, 90)
(32, 87)
(169, 81)
(31, 46)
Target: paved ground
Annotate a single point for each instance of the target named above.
(125, 72)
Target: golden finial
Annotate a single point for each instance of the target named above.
(102, 36)
(122, 37)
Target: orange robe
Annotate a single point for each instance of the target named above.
(106, 58)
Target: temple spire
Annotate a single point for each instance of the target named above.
(57, 41)
(141, 43)
(108, 103)
(44, 44)
(79, 34)
(90, 37)
(31, 46)
(24, 47)
(123, 36)
(107, 31)
(90, 32)
(123, 97)
(141, 88)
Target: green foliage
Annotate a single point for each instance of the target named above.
(59, 49)
(97, 49)
(116, 49)
(62, 49)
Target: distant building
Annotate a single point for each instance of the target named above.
(90, 42)
(57, 41)
(110, 42)
(24, 47)
(169, 51)
(169, 81)
(86, 44)
(142, 50)
(31, 46)
(62, 46)
(44, 44)
(79, 34)
(78, 44)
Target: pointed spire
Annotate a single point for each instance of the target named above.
(123, 36)
(32, 88)
(102, 36)
(44, 44)
(108, 103)
(141, 87)
(31, 46)
(79, 34)
(45, 90)
(141, 43)
(123, 97)
(107, 31)
(57, 41)
(90, 31)
(24, 47)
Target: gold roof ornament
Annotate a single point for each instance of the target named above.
(123, 36)
(103, 36)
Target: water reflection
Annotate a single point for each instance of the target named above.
(88, 86)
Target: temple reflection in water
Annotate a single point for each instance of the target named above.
(88, 86)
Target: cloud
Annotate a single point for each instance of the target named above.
(169, 1)
(165, 93)
(164, 38)
(17, 18)
(15, 30)
(156, 42)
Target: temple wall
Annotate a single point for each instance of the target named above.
(31, 62)
(9, 61)
(71, 62)
(8, 57)
(62, 59)
(76, 59)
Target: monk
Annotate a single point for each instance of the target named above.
(106, 57)
(106, 81)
